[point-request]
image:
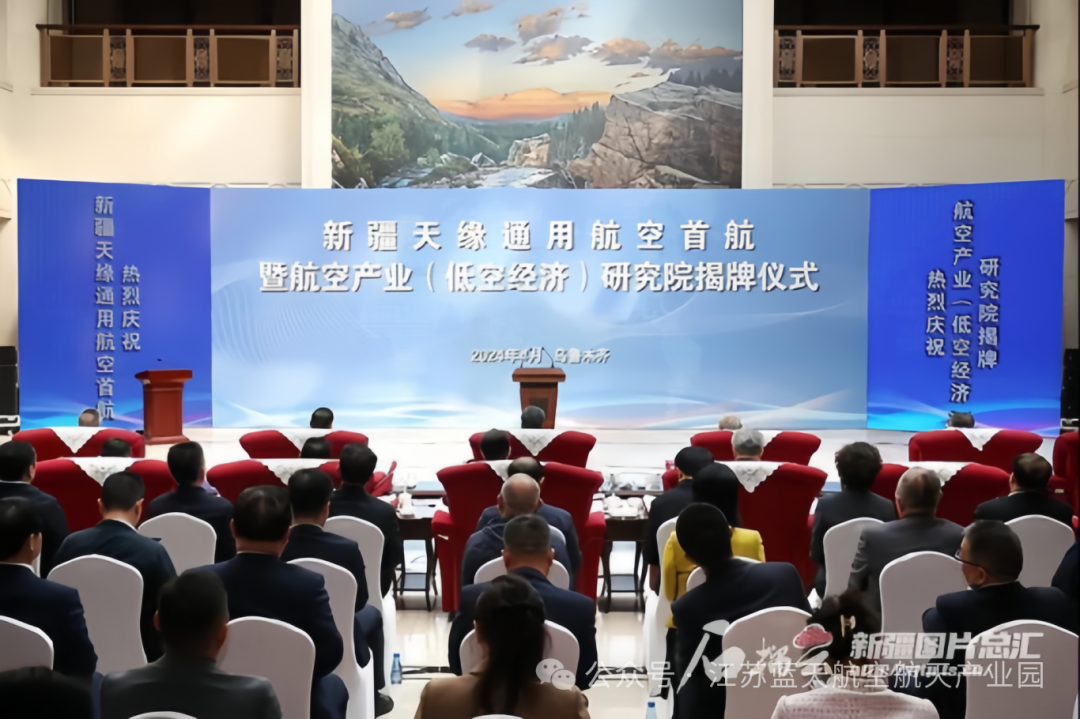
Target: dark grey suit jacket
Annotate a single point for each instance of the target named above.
(880, 545)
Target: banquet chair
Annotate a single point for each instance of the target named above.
(557, 575)
(47, 445)
(569, 447)
(92, 448)
(111, 594)
(1057, 666)
(887, 479)
(967, 489)
(272, 444)
(190, 541)
(793, 447)
(1044, 542)
(1067, 465)
(774, 627)
(911, 584)
(572, 488)
(232, 478)
(276, 651)
(560, 645)
(657, 614)
(949, 445)
(841, 542)
(77, 492)
(163, 715)
(23, 645)
(339, 438)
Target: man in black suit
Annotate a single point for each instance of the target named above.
(356, 465)
(858, 465)
(309, 494)
(114, 536)
(192, 615)
(732, 590)
(18, 462)
(918, 530)
(527, 553)
(322, 418)
(668, 505)
(992, 561)
(188, 467)
(1027, 494)
(259, 584)
(37, 693)
(51, 607)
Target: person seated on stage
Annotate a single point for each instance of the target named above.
(25, 597)
(730, 422)
(316, 448)
(532, 417)
(748, 444)
(960, 420)
(309, 493)
(18, 463)
(121, 505)
(510, 632)
(193, 617)
(527, 553)
(357, 464)
(858, 465)
(732, 590)
(688, 462)
(187, 465)
(90, 418)
(520, 495)
(115, 447)
(495, 445)
(322, 418)
(1028, 494)
(849, 689)
(992, 558)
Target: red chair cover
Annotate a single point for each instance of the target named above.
(670, 478)
(946, 445)
(1067, 464)
(48, 446)
(92, 448)
(272, 444)
(339, 438)
(572, 489)
(78, 492)
(786, 447)
(570, 448)
(887, 479)
(968, 488)
(156, 478)
(232, 478)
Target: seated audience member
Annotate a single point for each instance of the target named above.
(732, 590)
(1028, 494)
(90, 418)
(357, 464)
(960, 420)
(520, 495)
(40, 693)
(495, 445)
(309, 494)
(192, 615)
(18, 462)
(316, 448)
(115, 447)
(259, 584)
(730, 422)
(188, 467)
(688, 462)
(532, 417)
(322, 418)
(114, 536)
(510, 630)
(557, 518)
(1067, 575)
(527, 553)
(858, 465)
(747, 444)
(918, 530)
(992, 561)
(51, 607)
(848, 690)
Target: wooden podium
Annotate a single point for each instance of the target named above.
(540, 387)
(163, 405)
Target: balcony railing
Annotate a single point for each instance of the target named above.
(195, 56)
(903, 56)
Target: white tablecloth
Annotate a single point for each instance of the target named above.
(285, 468)
(535, 440)
(75, 437)
(101, 467)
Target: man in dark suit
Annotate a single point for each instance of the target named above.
(992, 561)
(858, 465)
(114, 536)
(192, 615)
(1027, 494)
(732, 590)
(309, 494)
(18, 462)
(37, 692)
(918, 530)
(668, 505)
(527, 553)
(520, 494)
(259, 584)
(52, 608)
(357, 464)
(322, 418)
(188, 467)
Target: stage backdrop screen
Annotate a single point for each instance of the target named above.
(665, 308)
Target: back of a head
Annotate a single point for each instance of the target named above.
(717, 485)
(322, 418)
(730, 422)
(842, 616)
(527, 536)
(994, 546)
(960, 420)
(704, 535)
(18, 521)
(357, 464)
(1031, 471)
(263, 514)
(520, 494)
(526, 465)
(747, 442)
(186, 462)
(532, 417)
(858, 465)
(316, 448)
(192, 608)
(919, 490)
(690, 460)
(121, 492)
(115, 447)
(89, 418)
(494, 445)
(16, 461)
(510, 618)
(309, 492)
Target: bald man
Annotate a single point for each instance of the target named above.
(520, 495)
(1028, 494)
(918, 530)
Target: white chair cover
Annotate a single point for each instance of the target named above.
(111, 594)
(190, 541)
(945, 470)
(696, 579)
(100, 468)
(751, 474)
(557, 575)
(911, 584)
(1045, 542)
(23, 645)
(657, 614)
(841, 543)
(276, 651)
(560, 644)
(776, 627)
(1057, 665)
(556, 532)
(285, 468)
(978, 436)
(164, 715)
(534, 440)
